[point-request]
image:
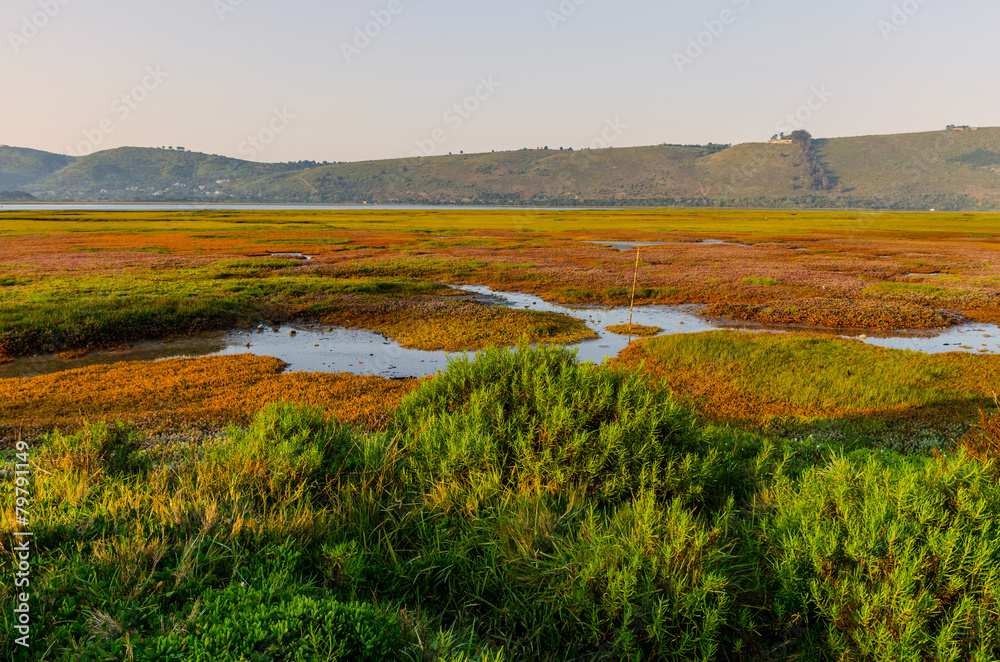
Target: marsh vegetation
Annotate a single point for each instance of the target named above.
(519, 506)
(711, 496)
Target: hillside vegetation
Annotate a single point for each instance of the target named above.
(21, 167)
(136, 173)
(944, 170)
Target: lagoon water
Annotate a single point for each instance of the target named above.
(315, 349)
(624, 246)
(186, 206)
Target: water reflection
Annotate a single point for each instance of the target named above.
(312, 348)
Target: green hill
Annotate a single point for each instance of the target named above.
(964, 165)
(133, 173)
(611, 176)
(947, 170)
(943, 170)
(19, 167)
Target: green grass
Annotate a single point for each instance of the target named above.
(914, 290)
(766, 282)
(257, 264)
(417, 268)
(582, 224)
(826, 391)
(55, 313)
(813, 371)
(520, 507)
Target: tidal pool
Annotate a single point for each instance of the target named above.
(312, 348)
(632, 245)
(972, 337)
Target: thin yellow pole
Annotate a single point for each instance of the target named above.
(635, 280)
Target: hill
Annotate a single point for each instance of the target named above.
(16, 196)
(135, 173)
(946, 170)
(20, 167)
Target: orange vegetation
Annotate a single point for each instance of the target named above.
(443, 324)
(635, 330)
(845, 313)
(758, 379)
(837, 268)
(983, 440)
(199, 391)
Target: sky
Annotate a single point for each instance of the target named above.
(353, 80)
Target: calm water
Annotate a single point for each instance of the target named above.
(85, 206)
(632, 245)
(316, 349)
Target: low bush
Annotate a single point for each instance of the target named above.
(884, 558)
(285, 448)
(241, 624)
(98, 449)
(537, 421)
(521, 506)
(983, 441)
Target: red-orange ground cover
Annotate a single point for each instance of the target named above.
(201, 391)
(835, 269)
(983, 440)
(846, 313)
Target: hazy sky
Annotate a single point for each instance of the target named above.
(295, 75)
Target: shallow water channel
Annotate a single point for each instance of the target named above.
(312, 348)
(624, 246)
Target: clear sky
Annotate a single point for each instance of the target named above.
(79, 75)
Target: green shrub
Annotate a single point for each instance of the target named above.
(242, 624)
(887, 558)
(286, 448)
(575, 510)
(521, 507)
(99, 448)
(648, 582)
(538, 421)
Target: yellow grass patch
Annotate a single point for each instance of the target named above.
(635, 330)
(487, 327)
(214, 390)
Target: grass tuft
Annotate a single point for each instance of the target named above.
(635, 330)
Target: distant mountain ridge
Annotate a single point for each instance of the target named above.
(21, 167)
(956, 169)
